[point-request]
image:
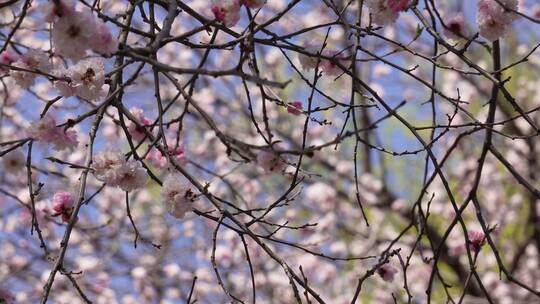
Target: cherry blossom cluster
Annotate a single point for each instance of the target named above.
(112, 168)
(228, 11)
(455, 27)
(63, 203)
(85, 79)
(494, 19)
(385, 12)
(270, 161)
(263, 164)
(74, 32)
(313, 60)
(46, 131)
(156, 158)
(177, 196)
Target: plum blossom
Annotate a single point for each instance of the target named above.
(455, 27)
(270, 161)
(88, 77)
(63, 203)
(159, 160)
(309, 62)
(176, 196)
(103, 41)
(387, 272)
(65, 88)
(46, 131)
(295, 108)
(52, 10)
(477, 239)
(112, 168)
(397, 6)
(7, 57)
(133, 176)
(330, 68)
(384, 12)
(253, 3)
(14, 161)
(137, 132)
(226, 11)
(106, 166)
(494, 19)
(32, 60)
(71, 34)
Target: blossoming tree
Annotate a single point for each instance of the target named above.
(269, 151)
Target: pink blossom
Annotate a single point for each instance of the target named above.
(63, 205)
(295, 108)
(7, 57)
(72, 34)
(226, 11)
(159, 160)
(380, 12)
(494, 19)
(309, 62)
(455, 27)
(112, 168)
(52, 10)
(253, 3)
(270, 161)
(397, 6)
(329, 67)
(137, 132)
(477, 239)
(106, 166)
(32, 60)
(86, 79)
(14, 161)
(132, 176)
(176, 196)
(65, 88)
(103, 41)
(387, 272)
(46, 131)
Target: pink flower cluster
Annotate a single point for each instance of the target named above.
(112, 168)
(228, 11)
(63, 203)
(159, 160)
(177, 196)
(137, 132)
(31, 61)
(84, 79)
(46, 131)
(477, 239)
(295, 108)
(329, 67)
(7, 58)
(270, 161)
(387, 272)
(384, 12)
(455, 27)
(25, 66)
(494, 19)
(74, 32)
